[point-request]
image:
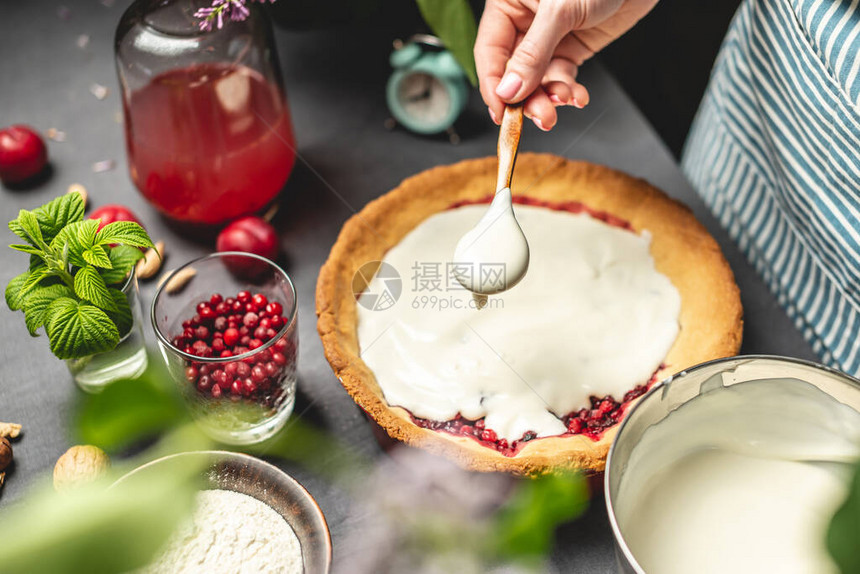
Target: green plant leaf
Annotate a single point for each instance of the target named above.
(122, 258)
(58, 213)
(97, 255)
(90, 286)
(27, 249)
(525, 527)
(122, 316)
(14, 296)
(34, 277)
(842, 533)
(30, 225)
(125, 233)
(95, 529)
(77, 329)
(37, 303)
(129, 411)
(454, 23)
(18, 230)
(79, 237)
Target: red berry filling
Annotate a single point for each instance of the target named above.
(590, 422)
(224, 328)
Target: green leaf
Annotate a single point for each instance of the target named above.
(30, 225)
(27, 249)
(90, 286)
(97, 255)
(14, 296)
(122, 258)
(79, 237)
(122, 317)
(125, 233)
(526, 525)
(127, 412)
(77, 329)
(37, 303)
(58, 213)
(18, 230)
(454, 23)
(34, 276)
(95, 529)
(842, 533)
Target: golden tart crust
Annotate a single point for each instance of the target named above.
(710, 320)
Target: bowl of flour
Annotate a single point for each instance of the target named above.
(249, 517)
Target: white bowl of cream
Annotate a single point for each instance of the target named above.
(736, 465)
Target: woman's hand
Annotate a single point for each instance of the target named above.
(530, 50)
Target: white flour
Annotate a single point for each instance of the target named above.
(231, 533)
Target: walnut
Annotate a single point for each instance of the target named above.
(79, 465)
(5, 453)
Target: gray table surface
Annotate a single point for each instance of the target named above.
(335, 82)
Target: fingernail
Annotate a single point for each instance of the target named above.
(556, 100)
(576, 104)
(539, 124)
(509, 86)
(493, 115)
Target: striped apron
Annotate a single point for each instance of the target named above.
(775, 152)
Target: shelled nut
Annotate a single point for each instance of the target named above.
(10, 430)
(151, 263)
(178, 282)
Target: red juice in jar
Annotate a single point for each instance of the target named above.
(209, 142)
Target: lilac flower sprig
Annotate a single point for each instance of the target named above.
(221, 9)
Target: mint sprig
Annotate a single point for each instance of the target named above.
(72, 287)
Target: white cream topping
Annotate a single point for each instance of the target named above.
(591, 317)
(740, 479)
(496, 239)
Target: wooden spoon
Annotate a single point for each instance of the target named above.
(509, 142)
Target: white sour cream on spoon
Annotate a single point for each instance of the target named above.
(494, 255)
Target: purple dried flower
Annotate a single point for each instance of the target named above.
(213, 16)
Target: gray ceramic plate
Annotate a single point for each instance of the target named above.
(267, 483)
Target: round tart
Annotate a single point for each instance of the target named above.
(706, 320)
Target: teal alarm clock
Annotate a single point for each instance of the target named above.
(427, 90)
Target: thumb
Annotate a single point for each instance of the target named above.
(531, 58)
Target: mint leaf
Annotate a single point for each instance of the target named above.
(37, 304)
(90, 286)
(59, 212)
(14, 297)
(454, 23)
(122, 258)
(26, 249)
(122, 317)
(124, 232)
(79, 237)
(97, 255)
(77, 329)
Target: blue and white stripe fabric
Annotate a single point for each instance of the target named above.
(775, 152)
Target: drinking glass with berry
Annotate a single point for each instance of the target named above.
(230, 341)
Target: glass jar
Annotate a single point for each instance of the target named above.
(125, 361)
(207, 128)
(239, 386)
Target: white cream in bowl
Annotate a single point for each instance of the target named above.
(742, 478)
